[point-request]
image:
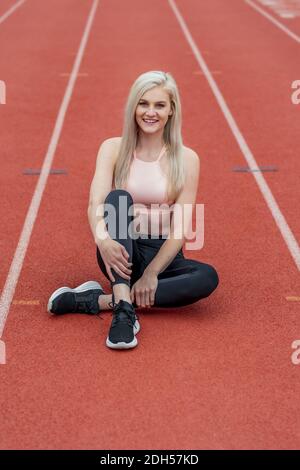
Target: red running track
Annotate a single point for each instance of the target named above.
(217, 374)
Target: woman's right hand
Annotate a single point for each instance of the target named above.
(115, 256)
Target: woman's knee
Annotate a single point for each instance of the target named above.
(118, 213)
(213, 278)
(207, 279)
(114, 194)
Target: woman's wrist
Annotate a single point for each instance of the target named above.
(151, 270)
(98, 239)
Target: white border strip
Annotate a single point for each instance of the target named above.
(17, 263)
(274, 21)
(11, 10)
(285, 230)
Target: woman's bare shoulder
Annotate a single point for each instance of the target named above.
(116, 140)
(113, 141)
(113, 144)
(191, 156)
(117, 143)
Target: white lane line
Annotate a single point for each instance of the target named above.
(17, 263)
(279, 218)
(11, 10)
(274, 21)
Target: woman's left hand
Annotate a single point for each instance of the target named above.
(143, 291)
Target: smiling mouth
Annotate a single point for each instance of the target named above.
(149, 121)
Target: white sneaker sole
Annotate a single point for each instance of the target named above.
(82, 288)
(122, 344)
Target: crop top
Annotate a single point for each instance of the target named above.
(147, 185)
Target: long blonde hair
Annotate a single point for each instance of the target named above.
(172, 132)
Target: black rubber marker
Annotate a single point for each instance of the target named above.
(262, 169)
(31, 171)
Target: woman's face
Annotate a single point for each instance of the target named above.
(154, 107)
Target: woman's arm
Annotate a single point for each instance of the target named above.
(188, 194)
(101, 185)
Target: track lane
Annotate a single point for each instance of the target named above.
(289, 26)
(8, 8)
(261, 100)
(31, 65)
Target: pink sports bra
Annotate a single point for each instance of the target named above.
(148, 185)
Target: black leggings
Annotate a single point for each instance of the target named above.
(183, 282)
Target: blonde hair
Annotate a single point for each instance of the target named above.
(172, 132)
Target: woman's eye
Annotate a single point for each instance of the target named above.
(159, 105)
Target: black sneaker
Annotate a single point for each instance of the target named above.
(124, 326)
(82, 299)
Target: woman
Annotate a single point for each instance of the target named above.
(147, 167)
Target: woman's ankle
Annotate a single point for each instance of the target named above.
(121, 292)
(104, 301)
